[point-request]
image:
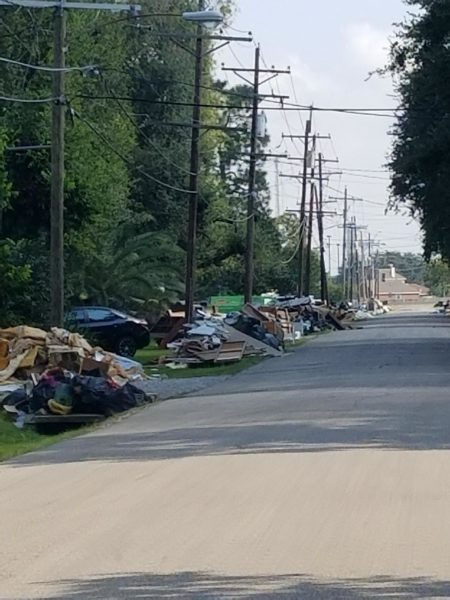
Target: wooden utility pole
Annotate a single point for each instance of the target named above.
(304, 178)
(302, 224)
(277, 188)
(307, 282)
(57, 141)
(344, 249)
(254, 156)
(357, 269)
(323, 275)
(194, 174)
(338, 255)
(363, 269)
(351, 262)
(329, 254)
(57, 175)
(249, 255)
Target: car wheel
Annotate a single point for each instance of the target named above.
(126, 346)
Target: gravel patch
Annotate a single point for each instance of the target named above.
(174, 388)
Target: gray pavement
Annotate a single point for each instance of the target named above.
(322, 474)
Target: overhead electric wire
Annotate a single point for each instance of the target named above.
(45, 68)
(178, 82)
(147, 138)
(27, 100)
(366, 170)
(128, 161)
(294, 92)
(220, 106)
(235, 56)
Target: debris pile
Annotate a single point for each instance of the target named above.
(214, 338)
(49, 374)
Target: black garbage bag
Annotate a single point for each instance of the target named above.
(19, 399)
(102, 396)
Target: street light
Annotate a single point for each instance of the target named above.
(208, 19)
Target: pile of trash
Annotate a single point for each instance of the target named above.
(58, 373)
(264, 329)
(311, 316)
(215, 338)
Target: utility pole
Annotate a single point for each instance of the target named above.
(58, 138)
(338, 248)
(301, 241)
(351, 262)
(363, 269)
(323, 275)
(194, 174)
(357, 269)
(301, 232)
(344, 248)
(355, 266)
(249, 255)
(307, 282)
(57, 174)
(329, 254)
(254, 156)
(277, 187)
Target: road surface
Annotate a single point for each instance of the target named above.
(321, 475)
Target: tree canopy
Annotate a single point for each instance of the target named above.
(127, 166)
(420, 64)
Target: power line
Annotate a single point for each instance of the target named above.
(28, 100)
(45, 68)
(147, 138)
(127, 160)
(366, 170)
(235, 56)
(179, 82)
(348, 174)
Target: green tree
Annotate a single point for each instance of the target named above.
(15, 282)
(420, 64)
(138, 272)
(437, 278)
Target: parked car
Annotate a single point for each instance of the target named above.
(113, 330)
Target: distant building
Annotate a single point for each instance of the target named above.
(393, 287)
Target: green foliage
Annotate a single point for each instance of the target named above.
(14, 441)
(15, 279)
(127, 167)
(139, 272)
(437, 278)
(420, 63)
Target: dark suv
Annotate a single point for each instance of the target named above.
(113, 330)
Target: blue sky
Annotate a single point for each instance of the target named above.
(331, 47)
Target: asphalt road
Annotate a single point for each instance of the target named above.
(321, 475)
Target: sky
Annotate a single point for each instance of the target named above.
(331, 47)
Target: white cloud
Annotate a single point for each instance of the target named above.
(368, 44)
